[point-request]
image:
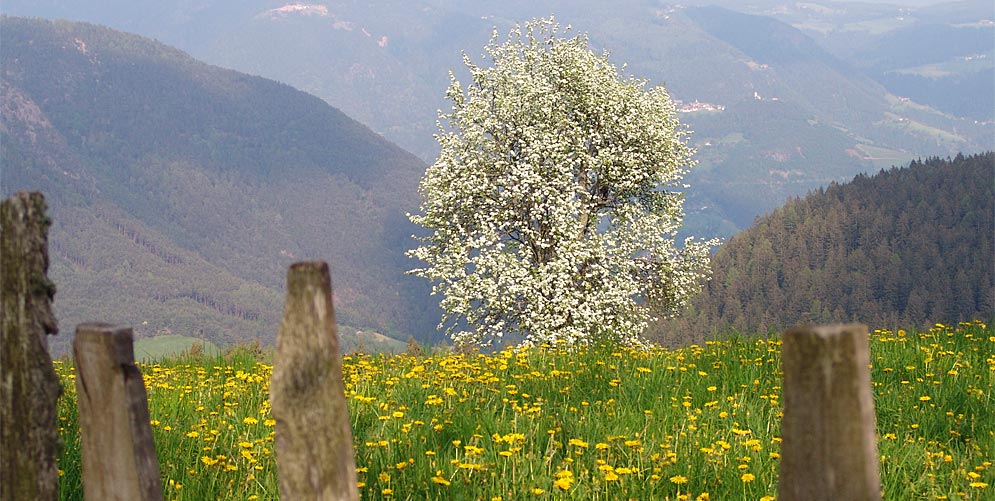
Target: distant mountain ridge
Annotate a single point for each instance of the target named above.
(775, 126)
(180, 191)
(904, 247)
(940, 55)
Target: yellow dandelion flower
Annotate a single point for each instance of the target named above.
(563, 483)
(747, 477)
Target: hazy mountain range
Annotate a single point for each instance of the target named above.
(783, 96)
(180, 191)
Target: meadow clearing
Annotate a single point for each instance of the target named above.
(700, 422)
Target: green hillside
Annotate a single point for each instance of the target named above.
(180, 192)
(909, 246)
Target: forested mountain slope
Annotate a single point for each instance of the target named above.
(907, 246)
(181, 191)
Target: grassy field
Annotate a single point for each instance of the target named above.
(701, 422)
(172, 345)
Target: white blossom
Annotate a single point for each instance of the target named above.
(551, 208)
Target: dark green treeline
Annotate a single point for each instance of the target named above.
(904, 247)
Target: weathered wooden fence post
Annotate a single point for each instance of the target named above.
(313, 433)
(828, 449)
(29, 386)
(119, 460)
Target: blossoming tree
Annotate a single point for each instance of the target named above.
(550, 208)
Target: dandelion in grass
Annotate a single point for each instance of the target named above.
(439, 479)
(578, 443)
(564, 479)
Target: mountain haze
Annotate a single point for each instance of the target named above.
(939, 55)
(180, 192)
(779, 103)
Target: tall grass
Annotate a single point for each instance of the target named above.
(701, 422)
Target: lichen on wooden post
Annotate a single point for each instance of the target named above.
(828, 448)
(29, 386)
(119, 459)
(313, 435)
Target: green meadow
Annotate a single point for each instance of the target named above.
(700, 422)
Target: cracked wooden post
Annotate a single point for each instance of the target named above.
(828, 449)
(119, 460)
(313, 434)
(29, 386)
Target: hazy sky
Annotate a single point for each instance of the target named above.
(907, 3)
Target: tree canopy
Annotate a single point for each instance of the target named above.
(552, 206)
